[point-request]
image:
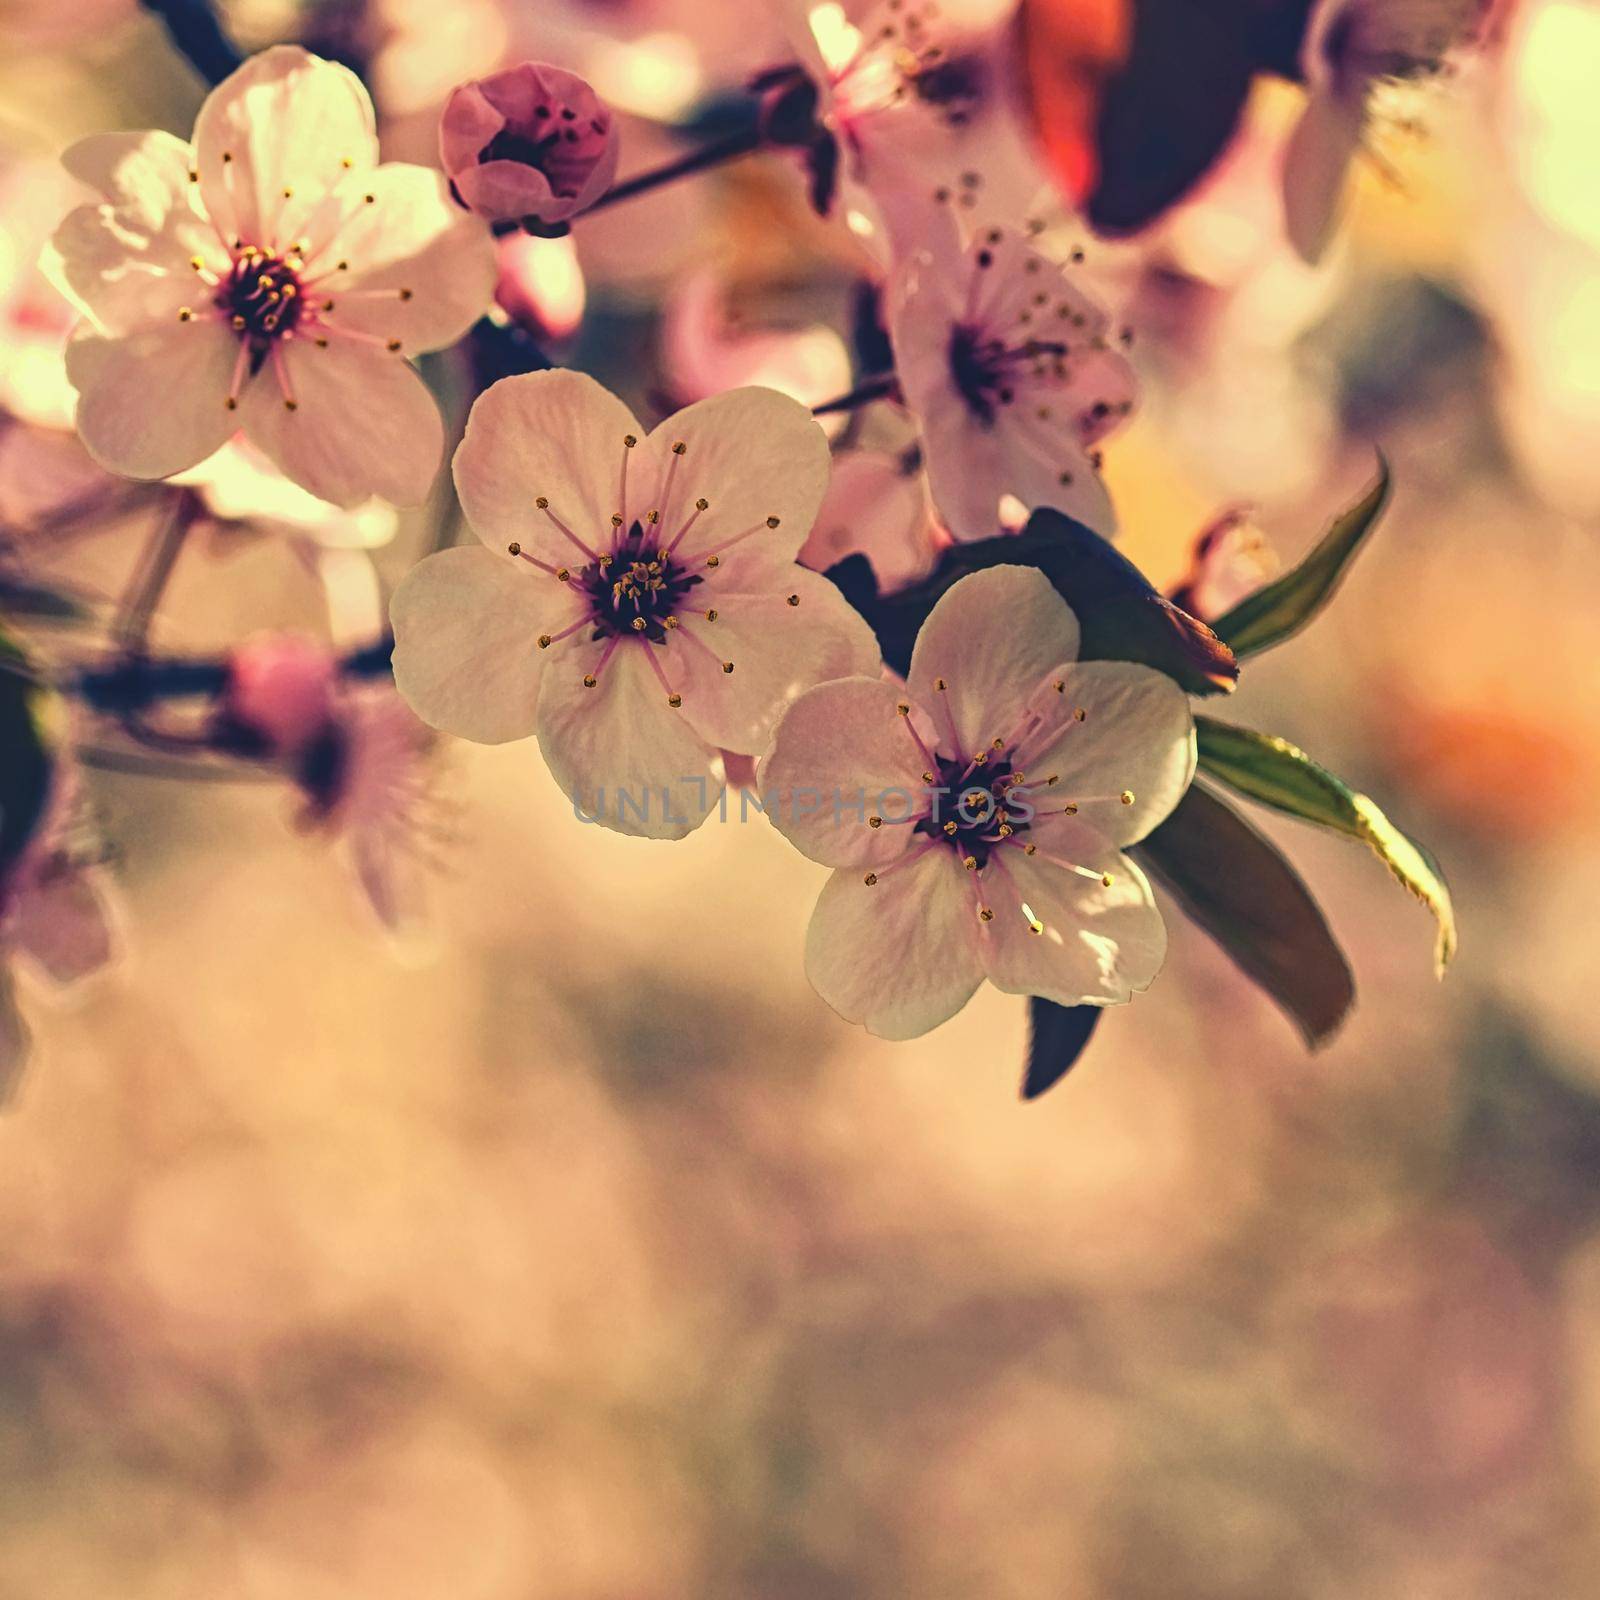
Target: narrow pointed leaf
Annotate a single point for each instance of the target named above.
(1285, 606)
(1057, 1037)
(1282, 776)
(1237, 886)
(1121, 617)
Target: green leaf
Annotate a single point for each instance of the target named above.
(1273, 614)
(1120, 616)
(24, 758)
(1280, 775)
(1238, 887)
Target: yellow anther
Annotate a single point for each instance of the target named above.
(713, 561)
(903, 709)
(405, 294)
(939, 684)
(639, 624)
(291, 405)
(589, 680)
(1029, 849)
(970, 863)
(1127, 797)
(544, 641)
(727, 666)
(1079, 715)
(772, 522)
(874, 822)
(1061, 685)
(1107, 879)
(870, 879)
(711, 615)
(794, 599)
(679, 448)
(702, 504)
(542, 503)
(393, 346)
(514, 549)
(185, 315)
(950, 827)
(629, 440)
(986, 913)
(564, 574)
(674, 700)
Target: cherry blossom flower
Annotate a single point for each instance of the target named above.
(1010, 370)
(641, 607)
(369, 782)
(35, 319)
(533, 141)
(977, 818)
(1352, 49)
(920, 99)
(272, 278)
(876, 506)
(54, 921)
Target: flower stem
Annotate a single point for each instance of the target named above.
(884, 388)
(197, 31)
(741, 143)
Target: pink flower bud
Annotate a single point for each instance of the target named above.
(280, 687)
(532, 141)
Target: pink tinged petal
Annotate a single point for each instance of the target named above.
(362, 423)
(128, 263)
(761, 462)
(420, 271)
(627, 759)
(16, 1042)
(285, 120)
(1315, 165)
(993, 639)
(780, 643)
(899, 956)
(152, 403)
(467, 625)
(1096, 945)
(877, 509)
(843, 754)
(1056, 471)
(1136, 739)
(552, 435)
(60, 925)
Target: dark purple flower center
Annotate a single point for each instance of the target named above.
(560, 144)
(975, 801)
(637, 589)
(261, 295)
(985, 369)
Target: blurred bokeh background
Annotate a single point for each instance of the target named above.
(575, 1249)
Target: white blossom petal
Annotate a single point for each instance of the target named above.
(843, 753)
(1096, 945)
(993, 638)
(1136, 738)
(552, 435)
(900, 956)
(466, 652)
(780, 642)
(363, 423)
(285, 120)
(627, 759)
(151, 403)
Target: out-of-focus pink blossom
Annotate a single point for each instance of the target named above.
(706, 351)
(541, 285)
(35, 317)
(921, 99)
(281, 690)
(534, 141)
(1351, 47)
(53, 916)
(1231, 560)
(368, 780)
(1010, 371)
(876, 506)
